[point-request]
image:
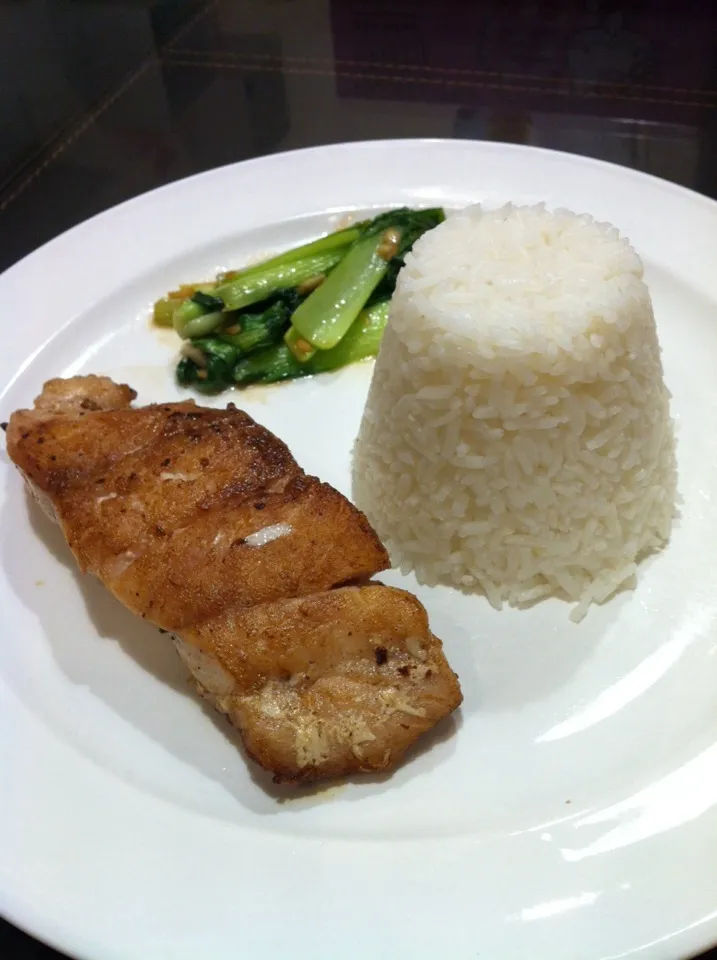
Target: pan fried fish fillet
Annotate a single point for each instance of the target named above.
(320, 686)
(158, 503)
(201, 521)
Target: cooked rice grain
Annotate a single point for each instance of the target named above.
(517, 436)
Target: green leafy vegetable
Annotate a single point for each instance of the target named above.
(308, 310)
(279, 363)
(258, 330)
(258, 284)
(327, 313)
(207, 300)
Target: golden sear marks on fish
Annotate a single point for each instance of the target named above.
(200, 521)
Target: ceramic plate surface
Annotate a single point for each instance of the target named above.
(568, 812)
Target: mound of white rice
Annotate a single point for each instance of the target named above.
(517, 436)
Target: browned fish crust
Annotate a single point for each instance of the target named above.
(334, 683)
(201, 521)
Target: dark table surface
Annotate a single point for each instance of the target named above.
(104, 99)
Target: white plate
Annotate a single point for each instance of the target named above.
(569, 812)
